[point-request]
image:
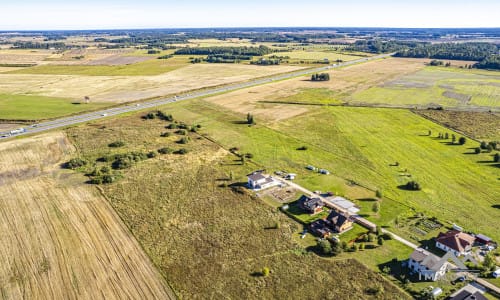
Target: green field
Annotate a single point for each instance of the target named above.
(148, 67)
(445, 86)
(312, 96)
(24, 107)
(360, 144)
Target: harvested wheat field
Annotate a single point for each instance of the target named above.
(60, 239)
(343, 82)
(129, 88)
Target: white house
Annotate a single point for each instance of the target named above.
(258, 181)
(457, 242)
(427, 265)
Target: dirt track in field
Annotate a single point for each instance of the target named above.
(59, 238)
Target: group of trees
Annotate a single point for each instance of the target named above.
(320, 77)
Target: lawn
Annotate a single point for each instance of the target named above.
(303, 216)
(148, 67)
(208, 240)
(444, 86)
(29, 107)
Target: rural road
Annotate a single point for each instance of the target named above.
(72, 120)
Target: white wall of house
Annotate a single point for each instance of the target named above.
(425, 273)
(446, 248)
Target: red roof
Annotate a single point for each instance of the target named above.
(455, 240)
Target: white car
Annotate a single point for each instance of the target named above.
(104, 114)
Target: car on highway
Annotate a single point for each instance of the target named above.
(104, 114)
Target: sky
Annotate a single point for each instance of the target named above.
(120, 14)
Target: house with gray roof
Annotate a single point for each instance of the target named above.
(427, 265)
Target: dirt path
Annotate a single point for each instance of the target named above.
(59, 238)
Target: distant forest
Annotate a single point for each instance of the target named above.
(404, 42)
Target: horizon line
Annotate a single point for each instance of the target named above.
(241, 27)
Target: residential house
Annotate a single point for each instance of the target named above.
(468, 292)
(311, 205)
(457, 242)
(339, 222)
(427, 265)
(320, 228)
(258, 181)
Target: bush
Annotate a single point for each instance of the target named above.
(413, 186)
(165, 134)
(171, 126)
(378, 193)
(122, 163)
(165, 150)
(182, 151)
(248, 155)
(483, 145)
(75, 163)
(151, 154)
(149, 116)
(302, 148)
(108, 178)
(380, 241)
(477, 150)
(117, 144)
(184, 140)
(265, 271)
(181, 132)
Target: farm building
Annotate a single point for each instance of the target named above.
(427, 265)
(457, 242)
(311, 205)
(339, 222)
(258, 181)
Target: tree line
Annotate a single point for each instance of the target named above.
(244, 51)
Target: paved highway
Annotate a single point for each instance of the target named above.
(67, 121)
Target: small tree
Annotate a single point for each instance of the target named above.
(376, 207)
(324, 247)
(489, 261)
(477, 150)
(362, 246)
(483, 145)
(446, 136)
(265, 271)
(496, 157)
(462, 140)
(380, 241)
(250, 119)
(429, 133)
(453, 139)
(378, 193)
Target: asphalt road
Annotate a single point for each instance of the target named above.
(67, 121)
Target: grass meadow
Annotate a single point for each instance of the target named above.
(208, 240)
(148, 67)
(438, 85)
(362, 145)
